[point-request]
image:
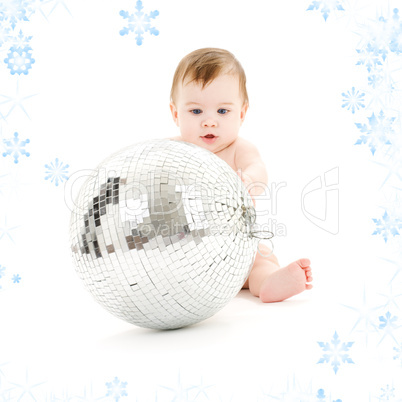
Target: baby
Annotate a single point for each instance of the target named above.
(209, 103)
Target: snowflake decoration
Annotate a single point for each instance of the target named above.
(13, 11)
(377, 38)
(116, 389)
(387, 225)
(26, 389)
(19, 60)
(15, 101)
(353, 100)
(393, 165)
(322, 397)
(21, 40)
(366, 319)
(139, 22)
(374, 80)
(395, 43)
(398, 351)
(15, 147)
(295, 390)
(180, 392)
(377, 133)
(4, 34)
(326, 7)
(337, 352)
(391, 297)
(387, 320)
(382, 90)
(16, 278)
(369, 57)
(2, 269)
(5, 230)
(56, 172)
(380, 38)
(387, 393)
(388, 325)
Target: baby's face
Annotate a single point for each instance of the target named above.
(210, 117)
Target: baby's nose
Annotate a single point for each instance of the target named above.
(209, 122)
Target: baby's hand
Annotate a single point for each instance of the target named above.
(246, 179)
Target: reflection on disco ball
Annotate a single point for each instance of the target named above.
(160, 235)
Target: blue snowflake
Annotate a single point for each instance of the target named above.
(388, 325)
(26, 389)
(19, 60)
(15, 147)
(180, 391)
(13, 11)
(57, 3)
(21, 40)
(398, 351)
(387, 320)
(380, 38)
(16, 278)
(337, 352)
(16, 101)
(387, 226)
(353, 100)
(322, 397)
(295, 390)
(116, 389)
(139, 22)
(56, 172)
(374, 80)
(5, 230)
(4, 34)
(366, 319)
(393, 165)
(2, 269)
(369, 56)
(377, 133)
(395, 44)
(326, 7)
(387, 393)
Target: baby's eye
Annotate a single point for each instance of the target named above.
(196, 111)
(222, 111)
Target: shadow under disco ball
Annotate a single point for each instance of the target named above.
(161, 234)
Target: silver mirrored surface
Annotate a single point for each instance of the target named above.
(160, 235)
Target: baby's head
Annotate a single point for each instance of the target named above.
(209, 97)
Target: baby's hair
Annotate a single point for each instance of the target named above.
(204, 65)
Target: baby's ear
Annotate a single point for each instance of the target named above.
(173, 110)
(243, 112)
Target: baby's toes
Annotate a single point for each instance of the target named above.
(308, 286)
(304, 263)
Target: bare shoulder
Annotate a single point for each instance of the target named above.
(245, 149)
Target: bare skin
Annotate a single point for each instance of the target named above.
(219, 110)
(267, 279)
(271, 283)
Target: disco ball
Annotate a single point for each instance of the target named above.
(161, 234)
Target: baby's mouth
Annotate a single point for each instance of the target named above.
(209, 138)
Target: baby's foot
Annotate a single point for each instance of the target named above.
(287, 282)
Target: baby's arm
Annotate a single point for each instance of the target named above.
(252, 168)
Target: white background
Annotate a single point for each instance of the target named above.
(97, 92)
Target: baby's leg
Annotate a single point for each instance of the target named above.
(262, 267)
(272, 283)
